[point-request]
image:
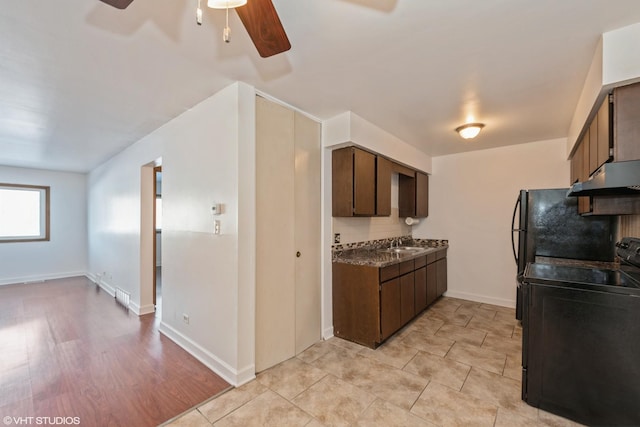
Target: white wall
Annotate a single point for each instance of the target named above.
(207, 157)
(349, 129)
(65, 255)
(471, 202)
(115, 220)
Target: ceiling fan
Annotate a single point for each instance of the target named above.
(260, 19)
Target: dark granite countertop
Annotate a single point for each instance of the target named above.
(375, 256)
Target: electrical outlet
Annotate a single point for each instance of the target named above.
(336, 238)
(185, 318)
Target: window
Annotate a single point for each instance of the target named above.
(24, 213)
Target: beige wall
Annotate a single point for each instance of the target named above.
(353, 230)
(472, 196)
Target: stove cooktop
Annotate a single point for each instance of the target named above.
(582, 275)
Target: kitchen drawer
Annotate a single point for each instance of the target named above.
(441, 254)
(389, 272)
(421, 262)
(406, 267)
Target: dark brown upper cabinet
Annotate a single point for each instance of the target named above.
(361, 185)
(413, 196)
(422, 195)
(612, 135)
(383, 186)
(626, 123)
(354, 182)
(604, 133)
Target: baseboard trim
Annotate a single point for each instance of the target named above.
(103, 284)
(142, 310)
(481, 298)
(230, 375)
(40, 278)
(327, 333)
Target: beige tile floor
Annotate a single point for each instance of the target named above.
(457, 364)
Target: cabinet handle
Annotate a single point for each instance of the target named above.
(298, 254)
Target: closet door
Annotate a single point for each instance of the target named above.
(288, 233)
(307, 231)
(275, 248)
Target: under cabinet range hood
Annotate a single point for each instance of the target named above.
(611, 179)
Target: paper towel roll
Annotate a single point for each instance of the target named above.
(411, 221)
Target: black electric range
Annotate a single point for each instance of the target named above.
(624, 280)
(581, 339)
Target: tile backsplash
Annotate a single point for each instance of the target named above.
(370, 228)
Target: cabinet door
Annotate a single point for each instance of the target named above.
(432, 283)
(576, 164)
(605, 138)
(390, 319)
(626, 104)
(356, 303)
(353, 174)
(586, 146)
(584, 202)
(342, 182)
(406, 195)
(364, 183)
(420, 289)
(383, 186)
(407, 297)
(593, 145)
(422, 195)
(441, 276)
(413, 195)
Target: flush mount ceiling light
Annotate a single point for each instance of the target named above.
(469, 130)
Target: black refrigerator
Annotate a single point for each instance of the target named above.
(548, 225)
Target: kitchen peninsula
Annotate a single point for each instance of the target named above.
(379, 286)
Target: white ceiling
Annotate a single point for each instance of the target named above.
(80, 80)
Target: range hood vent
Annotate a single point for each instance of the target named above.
(611, 179)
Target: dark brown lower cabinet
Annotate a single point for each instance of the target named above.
(407, 297)
(432, 291)
(420, 289)
(370, 303)
(390, 311)
(441, 276)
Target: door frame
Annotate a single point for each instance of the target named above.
(155, 230)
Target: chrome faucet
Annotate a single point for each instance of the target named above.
(397, 242)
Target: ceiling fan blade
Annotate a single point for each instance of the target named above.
(120, 4)
(264, 27)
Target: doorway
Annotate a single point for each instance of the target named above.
(157, 240)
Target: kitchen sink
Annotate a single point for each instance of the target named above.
(403, 250)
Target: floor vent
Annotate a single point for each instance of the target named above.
(122, 298)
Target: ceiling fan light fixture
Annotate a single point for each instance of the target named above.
(225, 4)
(469, 130)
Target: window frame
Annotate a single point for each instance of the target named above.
(46, 236)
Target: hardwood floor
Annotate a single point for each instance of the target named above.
(67, 350)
